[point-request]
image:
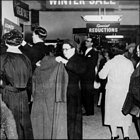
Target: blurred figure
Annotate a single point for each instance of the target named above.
(117, 71)
(8, 128)
(58, 49)
(132, 101)
(51, 50)
(49, 114)
(88, 78)
(36, 52)
(16, 70)
(107, 55)
(75, 65)
(3, 47)
(130, 52)
(82, 48)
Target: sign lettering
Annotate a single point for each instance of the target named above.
(9, 25)
(103, 27)
(80, 4)
(21, 10)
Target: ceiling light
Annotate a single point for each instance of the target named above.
(114, 36)
(91, 18)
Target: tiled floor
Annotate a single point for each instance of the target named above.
(93, 128)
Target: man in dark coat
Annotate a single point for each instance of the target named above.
(75, 65)
(88, 78)
(132, 102)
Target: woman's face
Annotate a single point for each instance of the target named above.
(35, 37)
(68, 51)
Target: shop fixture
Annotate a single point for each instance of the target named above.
(114, 36)
(104, 18)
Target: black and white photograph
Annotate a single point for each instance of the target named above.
(70, 69)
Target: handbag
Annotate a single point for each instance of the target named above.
(135, 111)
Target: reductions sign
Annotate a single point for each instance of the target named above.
(102, 27)
(21, 10)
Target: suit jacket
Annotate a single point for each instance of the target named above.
(91, 60)
(132, 102)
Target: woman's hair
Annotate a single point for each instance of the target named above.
(14, 37)
(41, 32)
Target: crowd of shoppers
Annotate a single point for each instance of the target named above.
(60, 84)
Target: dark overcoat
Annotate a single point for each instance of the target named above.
(87, 82)
(75, 67)
(16, 70)
(132, 102)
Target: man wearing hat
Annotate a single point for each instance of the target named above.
(130, 52)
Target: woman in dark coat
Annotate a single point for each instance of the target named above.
(132, 102)
(75, 66)
(15, 72)
(36, 52)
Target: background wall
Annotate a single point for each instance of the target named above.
(60, 24)
(7, 11)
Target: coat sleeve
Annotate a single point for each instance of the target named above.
(61, 84)
(77, 66)
(132, 101)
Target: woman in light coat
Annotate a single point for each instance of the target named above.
(117, 71)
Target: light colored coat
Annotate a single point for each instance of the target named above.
(117, 71)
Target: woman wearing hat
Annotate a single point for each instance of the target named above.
(36, 52)
(15, 72)
(75, 66)
(39, 49)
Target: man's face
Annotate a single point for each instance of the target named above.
(88, 42)
(68, 51)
